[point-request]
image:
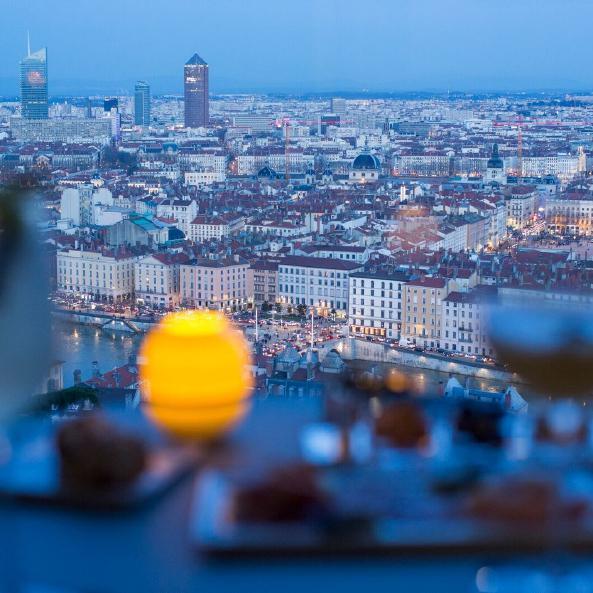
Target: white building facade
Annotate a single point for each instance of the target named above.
(97, 275)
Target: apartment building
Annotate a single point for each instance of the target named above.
(205, 227)
(215, 283)
(183, 211)
(422, 302)
(562, 165)
(354, 253)
(521, 205)
(464, 324)
(101, 275)
(315, 282)
(203, 177)
(157, 279)
(263, 282)
(252, 161)
(274, 228)
(570, 214)
(375, 303)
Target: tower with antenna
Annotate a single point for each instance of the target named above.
(33, 83)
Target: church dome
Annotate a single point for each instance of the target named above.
(366, 162)
(266, 172)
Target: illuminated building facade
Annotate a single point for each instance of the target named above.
(34, 99)
(195, 92)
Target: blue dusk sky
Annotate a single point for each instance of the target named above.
(103, 46)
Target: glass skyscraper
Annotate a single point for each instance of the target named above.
(34, 85)
(142, 104)
(195, 92)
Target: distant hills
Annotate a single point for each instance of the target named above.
(173, 85)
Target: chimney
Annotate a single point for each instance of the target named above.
(96, 371)
(116, 377)
(77, 377)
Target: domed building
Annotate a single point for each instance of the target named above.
(365, 168)
(266, 173)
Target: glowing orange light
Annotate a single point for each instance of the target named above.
(195, 375)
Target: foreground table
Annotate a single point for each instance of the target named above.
(148, 550)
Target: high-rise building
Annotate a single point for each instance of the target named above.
(338, 106)
(34, 85)
(195, 92)
(115, 117)
(142, 104)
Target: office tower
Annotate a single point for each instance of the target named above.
(115, 117)
(142, 104)
(110, 103)
(89, 108)
(34, 85)
(338, 106)
(195, 92)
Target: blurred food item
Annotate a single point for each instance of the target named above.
(94, 453)
(286, 494)
(397, 382)
(562, 424)
(368, 383)
(402, 424)
(481, 422)
(523, 498)
(196, 375)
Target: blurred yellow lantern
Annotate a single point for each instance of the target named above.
(195, 374)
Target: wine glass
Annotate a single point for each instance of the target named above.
(550, 347)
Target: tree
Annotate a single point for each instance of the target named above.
(278, 307)
(266, 307)
(302, 309)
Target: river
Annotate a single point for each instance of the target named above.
(79, 345)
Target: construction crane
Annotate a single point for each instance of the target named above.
(519, 146)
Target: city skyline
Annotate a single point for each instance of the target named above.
(332, 46)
